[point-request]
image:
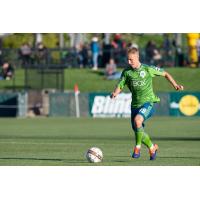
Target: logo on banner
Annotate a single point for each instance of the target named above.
(104, 106)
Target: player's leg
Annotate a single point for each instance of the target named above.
(143, 113)
(139, 130)
(136, 151)
(137, 125)
(147, 112)
(146, 140)
(138, 118)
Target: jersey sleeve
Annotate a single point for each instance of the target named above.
(155, 71)
(122, 80)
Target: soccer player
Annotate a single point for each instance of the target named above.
(138, 78)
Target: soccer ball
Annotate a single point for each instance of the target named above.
(94, 155)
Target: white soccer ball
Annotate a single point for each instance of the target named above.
(94, 155)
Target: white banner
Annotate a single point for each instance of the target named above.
(104, 106)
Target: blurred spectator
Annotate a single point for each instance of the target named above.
(198, 51)
(119, 47)
(25, 54)
(95, 49)
(6, 71)
(150, 52)
(41, 54)
(167, 48)
(111, 70)
(106, 49)
(167, 45)
(1, 51)
(63, 54)
(157, 57)
(179, 57)
(84, 55)
(78, 55)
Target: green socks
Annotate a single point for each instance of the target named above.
(146, 140)
(142, 137)
(139, 135)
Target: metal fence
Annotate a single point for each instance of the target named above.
(71, 57)
(38, 78)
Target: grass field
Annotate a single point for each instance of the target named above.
(64, 141)
(96, 81)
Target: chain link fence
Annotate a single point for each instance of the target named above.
(74, 58)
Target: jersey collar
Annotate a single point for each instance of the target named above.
(137, 68)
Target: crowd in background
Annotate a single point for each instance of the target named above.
(98, 53)
(28, 56)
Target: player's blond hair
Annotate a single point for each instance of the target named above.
(132, 50)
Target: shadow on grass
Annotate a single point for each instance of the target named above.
(74, 161)
(177, 138)
(120, 160)
(86, 138)
(98, 72)
(181, 157)
(48, 159)
(42, 159)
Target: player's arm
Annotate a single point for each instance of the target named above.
(119, 86)
(115, 92)
(156, 71)
(172, 81)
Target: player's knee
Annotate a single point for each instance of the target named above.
(138, 123)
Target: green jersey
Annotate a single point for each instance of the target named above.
(139, 82)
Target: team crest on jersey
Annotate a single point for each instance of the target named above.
(142, 74)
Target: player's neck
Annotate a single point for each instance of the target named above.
(136, 67)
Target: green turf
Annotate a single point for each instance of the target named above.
(94, 81)
(64, 141)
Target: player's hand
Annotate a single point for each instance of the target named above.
(179, 87)
(113, 95)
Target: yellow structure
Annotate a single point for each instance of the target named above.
(192, 42)
(189, 105)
